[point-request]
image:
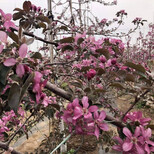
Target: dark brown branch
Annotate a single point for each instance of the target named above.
(36, 37)
(6, 147)
(137, 98)
(19, 129)
(69, 97)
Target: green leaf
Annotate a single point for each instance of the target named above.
(67, 47)
(63, 28)
(64, 85)
(14, 37)
(117, 85)
(67, 40)
(100, 71)
(76, 84)
(105, 52)
(87, 90)
(14, 97)
(55, 106)
(129, 77)
(18, 15)
(4, 71)
(97, 91)
(137, 67)
(43, 18)
(36, 55)
(42, 25)
(85, 68)
(26, 85)
(151, 126)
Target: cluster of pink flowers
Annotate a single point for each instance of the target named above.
(10, 117)
(135, 143)
(83, 118)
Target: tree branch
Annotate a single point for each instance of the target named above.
(137, 98)
(6, 147)
(36, 37)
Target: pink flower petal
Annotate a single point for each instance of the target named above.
(23, 50)
(20, 70)
(96, 115)
(137, 132)
(88, 116)
(2, 13)
(127, 146)
(9, 24)
(102, 115)
(9, 62)
(139, 115)
(127, 132)
(96, 132)
(8, 16)
(148, 132)
(117, 148)
(93, 108)
(139, 149)
(104, 127)
(151, 143)
(1, 47)
(75, 102)
(118, 139)
(77, 113)
(85, 102)
(3, 37)
(147, 149)
(37, 77)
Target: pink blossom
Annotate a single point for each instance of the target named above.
(132, 141)
(6, 18)
(146, 142)
(98, 123)
(102, 59)
(91, 73)
(84, 111)
(136, 117)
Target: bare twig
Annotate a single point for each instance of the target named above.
(36, 37)
(19, 129)
(137, 98)
(6, 147)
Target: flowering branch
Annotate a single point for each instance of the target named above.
(69, 97)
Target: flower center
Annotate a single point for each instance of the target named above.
(134, 140)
